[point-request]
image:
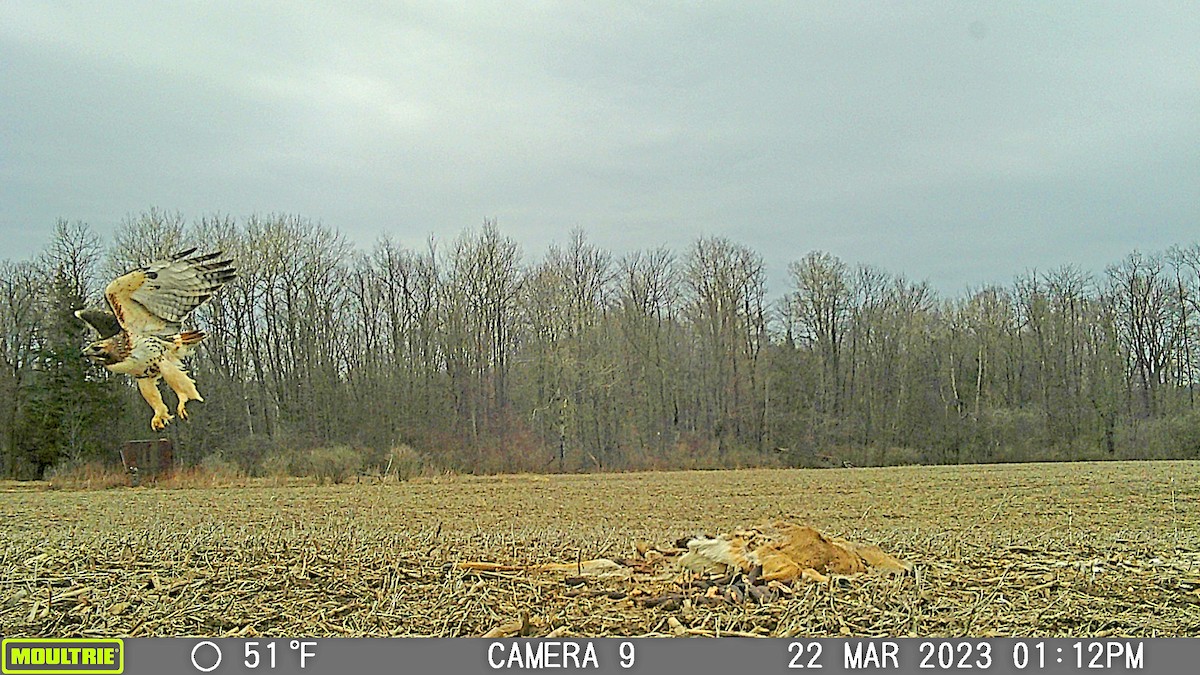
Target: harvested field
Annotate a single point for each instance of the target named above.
(1093, 549)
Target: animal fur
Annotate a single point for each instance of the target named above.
(785, 552)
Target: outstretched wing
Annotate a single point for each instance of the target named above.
(103, 321)
(158, 297)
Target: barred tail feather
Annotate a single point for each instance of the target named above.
(186, 342)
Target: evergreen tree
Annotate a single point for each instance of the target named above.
(71, 405)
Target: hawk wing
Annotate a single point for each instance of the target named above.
(103, 321)
(158, 297)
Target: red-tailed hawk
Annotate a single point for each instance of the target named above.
(142, 332)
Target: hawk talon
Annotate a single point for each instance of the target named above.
(160, 421)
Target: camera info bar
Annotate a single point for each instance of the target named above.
(725, 656)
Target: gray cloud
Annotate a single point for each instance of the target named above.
(958, 142)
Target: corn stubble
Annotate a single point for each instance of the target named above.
(1107, 549)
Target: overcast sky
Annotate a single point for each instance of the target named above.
(957, 142)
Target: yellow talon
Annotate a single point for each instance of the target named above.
(160, 421)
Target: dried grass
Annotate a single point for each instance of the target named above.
(92, 475)
(1031, 550)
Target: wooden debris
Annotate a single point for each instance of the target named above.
(520, 626)
(600, 567)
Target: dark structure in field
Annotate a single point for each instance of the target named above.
(147, 458)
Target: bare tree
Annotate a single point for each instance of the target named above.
(726, 291)
(1148, 330)
(821, 311)
(479, 308)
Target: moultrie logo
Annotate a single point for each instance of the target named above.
(70, 655)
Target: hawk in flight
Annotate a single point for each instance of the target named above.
(141, 333)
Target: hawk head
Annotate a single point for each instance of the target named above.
(103, 352)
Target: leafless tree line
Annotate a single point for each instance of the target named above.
(484, 360)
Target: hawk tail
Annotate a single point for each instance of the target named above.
(191, 337)
(187, 341)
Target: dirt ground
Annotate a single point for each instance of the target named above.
(1097, 549)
